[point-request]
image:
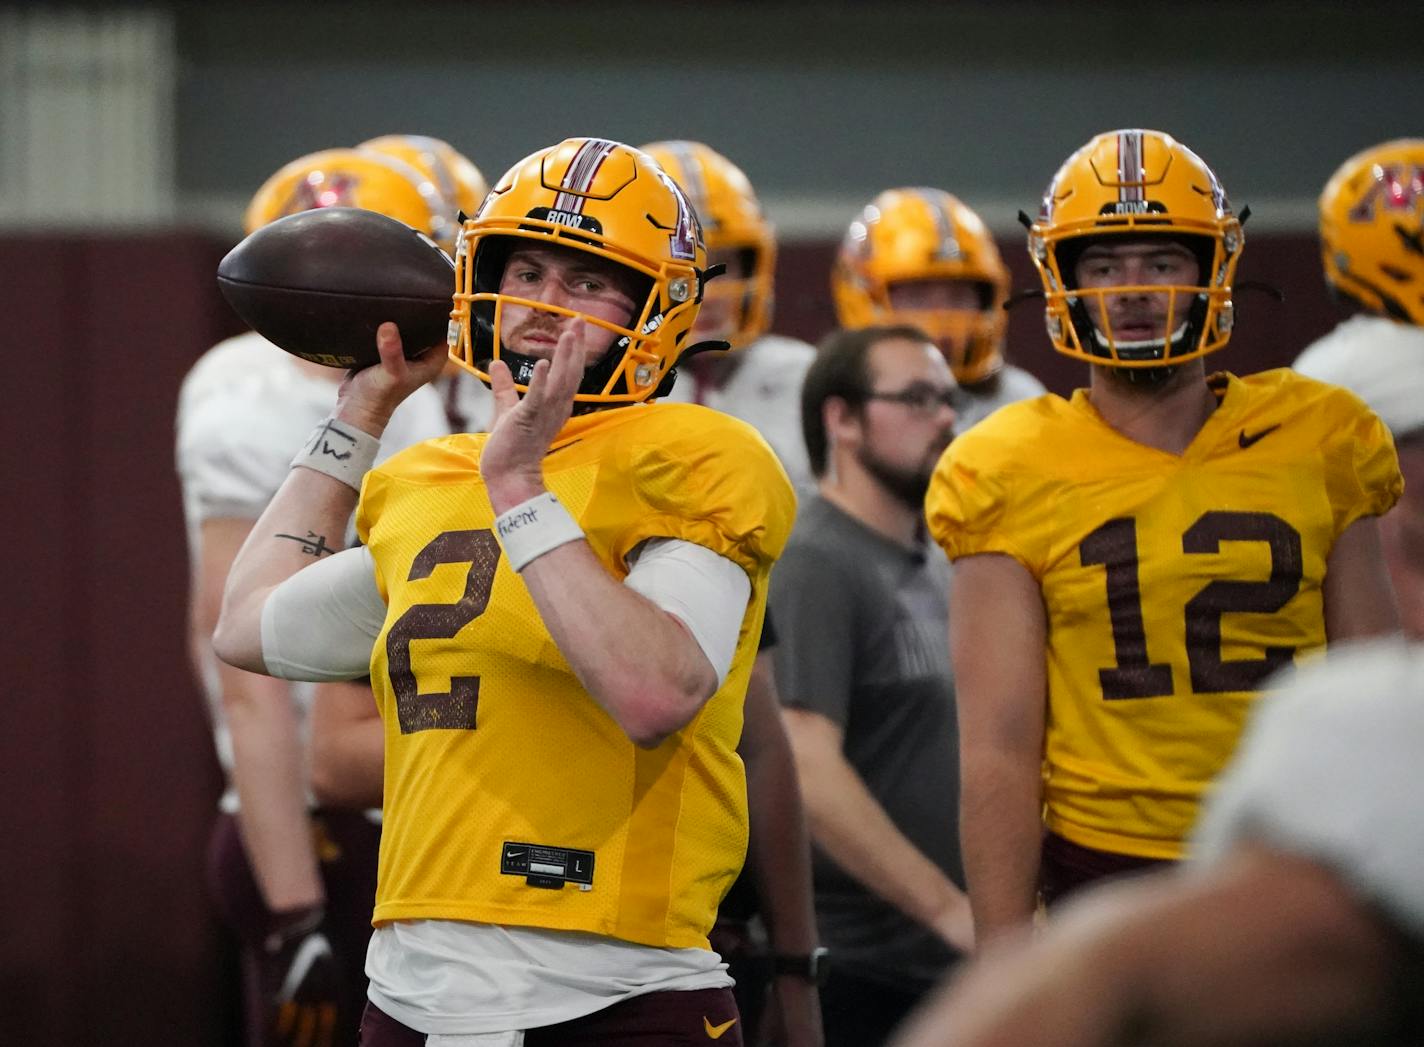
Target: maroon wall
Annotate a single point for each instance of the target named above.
(109, 775)
(109, 780)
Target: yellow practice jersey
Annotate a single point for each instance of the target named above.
(1173, 585)
(510, 796)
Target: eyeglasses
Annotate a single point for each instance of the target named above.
(920, 398)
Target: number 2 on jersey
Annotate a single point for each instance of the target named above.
(1114, 545)
(454, 709)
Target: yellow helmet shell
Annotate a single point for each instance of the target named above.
(458, 180)
(608, 200)
(732, 220)
(1372, 229)
(913, 234)
(347, 178)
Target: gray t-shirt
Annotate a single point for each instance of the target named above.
(861, 626)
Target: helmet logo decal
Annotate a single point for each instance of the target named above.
(333, 190)
(947, 248)
(682, 243)
(1395, 186)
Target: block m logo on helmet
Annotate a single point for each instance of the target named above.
(1395, 187)
(686, 233)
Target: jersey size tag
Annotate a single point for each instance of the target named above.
(549, 867)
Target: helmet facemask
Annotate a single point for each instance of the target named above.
(969, 338)
(632, 366)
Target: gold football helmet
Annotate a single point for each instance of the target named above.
(1136, 184)
(1372, 229)
(348, 178)
(458, 180)
(732, 221)
(614, 202)
(914, 235)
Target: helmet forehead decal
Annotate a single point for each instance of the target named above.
(1395, 187)
(947, 247)
(581, 173)
(321, 189)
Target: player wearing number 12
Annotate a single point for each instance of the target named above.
(1168, 538)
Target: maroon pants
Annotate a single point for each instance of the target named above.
(1067, 867)
(698, 1016)
(347, 845)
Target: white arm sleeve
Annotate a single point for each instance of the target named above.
(1329, 770)
(320, 624)
(705, 591)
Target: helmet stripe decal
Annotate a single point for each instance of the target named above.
(444, 179)
(691, 181)
(947, 248)
(1129, 166)
(581, 172)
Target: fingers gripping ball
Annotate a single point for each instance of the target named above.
(319, 283)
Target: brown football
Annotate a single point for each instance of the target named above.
(318, 283)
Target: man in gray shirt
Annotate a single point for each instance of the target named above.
(863, 667)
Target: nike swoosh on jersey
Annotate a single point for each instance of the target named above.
(1246, 441)
(715, 1031)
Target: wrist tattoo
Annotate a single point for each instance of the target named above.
(313, 544)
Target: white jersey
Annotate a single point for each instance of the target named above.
(1014, 384)
(469, 404)
(244, 411)
(765, 392)
(1377, 359)
(1328, 770)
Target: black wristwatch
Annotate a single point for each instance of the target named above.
(812, 966)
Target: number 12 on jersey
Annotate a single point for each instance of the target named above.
(1114, 546)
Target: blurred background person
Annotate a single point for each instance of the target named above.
(1372, 246)
(1299, 921)
(759, 378)
(862, 664)
(919, 256)
(292, 883)
(469, 406)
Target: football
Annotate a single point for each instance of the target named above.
(318, 283)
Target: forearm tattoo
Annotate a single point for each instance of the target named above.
(313, 544)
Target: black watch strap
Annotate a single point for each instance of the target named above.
(812, 966)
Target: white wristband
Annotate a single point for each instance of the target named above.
(533, 527)
(339, 450)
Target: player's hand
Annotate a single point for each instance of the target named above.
(301, 984)
(367, 397)
(524, 427)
